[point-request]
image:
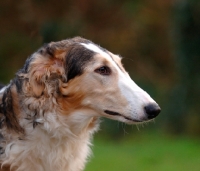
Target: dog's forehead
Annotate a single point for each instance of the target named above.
(96, 49)
(103, 52)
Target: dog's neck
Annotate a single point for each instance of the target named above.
(66, 144)
(54, 141)
(53, 146)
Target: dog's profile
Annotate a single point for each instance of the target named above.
(50, 110)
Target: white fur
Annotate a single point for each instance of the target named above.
(96, 49)
(57, 144)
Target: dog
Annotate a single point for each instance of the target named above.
(51, 109)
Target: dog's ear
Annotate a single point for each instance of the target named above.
(58, 50)
(47, 67)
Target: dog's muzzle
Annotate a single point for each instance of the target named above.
(118, 114)
(151, 111)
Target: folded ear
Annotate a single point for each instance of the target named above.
(58, 49)
(47, 67)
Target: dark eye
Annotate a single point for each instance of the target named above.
(104, 70)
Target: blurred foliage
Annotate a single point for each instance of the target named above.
(184, 96)
(159, 41)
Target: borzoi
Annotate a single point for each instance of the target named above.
(51, 109)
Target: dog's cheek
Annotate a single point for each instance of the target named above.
(69, 103)
(71, 95)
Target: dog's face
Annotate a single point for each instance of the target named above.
(82, 75)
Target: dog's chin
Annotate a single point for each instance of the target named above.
(118, 116)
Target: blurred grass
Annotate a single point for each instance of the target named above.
(146, 152)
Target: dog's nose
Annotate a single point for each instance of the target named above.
(152, 110)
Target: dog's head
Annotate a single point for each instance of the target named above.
(81, 75)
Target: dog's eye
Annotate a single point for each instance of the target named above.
(104, 70)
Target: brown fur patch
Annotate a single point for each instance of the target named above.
(5, 168)
(71, 96)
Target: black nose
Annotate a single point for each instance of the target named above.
(152, 110)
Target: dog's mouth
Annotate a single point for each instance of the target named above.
(118, 114)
